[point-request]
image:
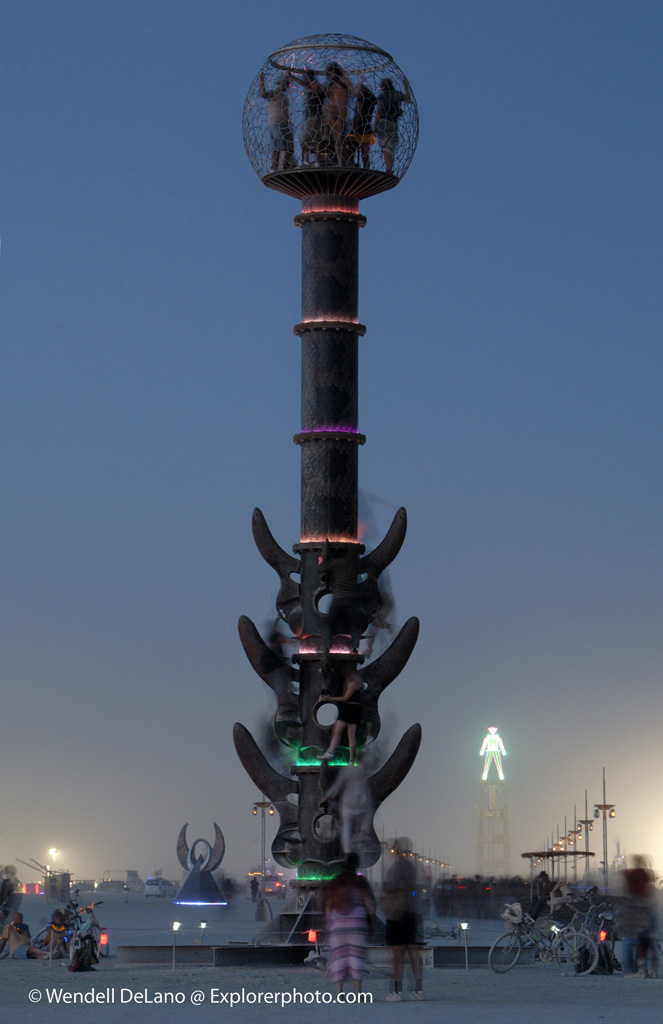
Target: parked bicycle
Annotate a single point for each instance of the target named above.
(596, 915)
(573, 950)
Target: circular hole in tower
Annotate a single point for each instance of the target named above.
(323, 603)
(325, 827)
(326, 714)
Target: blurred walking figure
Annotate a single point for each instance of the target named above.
(350, 914)
(388, 111)
(10, 898)
(355, 807)
(278, 121)
(639, 921)
(400, 908)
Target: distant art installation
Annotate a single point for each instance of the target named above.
(200, 860)
(329, 119)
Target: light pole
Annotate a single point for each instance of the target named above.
(565, 842)
(608, 812)
(588, 825)
(575, 835)
(263, 911)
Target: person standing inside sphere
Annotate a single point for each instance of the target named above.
(278, 121)
(387, 113)
(339, 89)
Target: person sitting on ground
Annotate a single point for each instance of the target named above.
(561, 895)
(543, 890)
(16, 937)
(54, 943)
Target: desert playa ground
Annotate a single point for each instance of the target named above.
(118, 992)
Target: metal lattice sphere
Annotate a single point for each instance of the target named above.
(330, 114)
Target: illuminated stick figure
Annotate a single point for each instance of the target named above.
(492, 746)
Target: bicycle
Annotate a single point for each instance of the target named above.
(596, 916)
(574, 951)
(430, 929)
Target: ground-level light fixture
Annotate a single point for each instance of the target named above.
(463, 927)
(176, 928)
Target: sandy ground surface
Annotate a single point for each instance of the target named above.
(33, 991)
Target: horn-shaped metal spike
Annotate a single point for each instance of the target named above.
(379, 673)
(377, 560)
(218, 850)
(389, 777)
(267, 779)
(272, 552)
(273, 670)
(183, 848)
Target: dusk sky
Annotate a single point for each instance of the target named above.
(510, 383)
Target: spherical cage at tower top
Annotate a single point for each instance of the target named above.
(330, 114)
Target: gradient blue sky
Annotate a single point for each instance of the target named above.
(509, 388)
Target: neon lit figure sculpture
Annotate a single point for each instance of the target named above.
(492, 747)
(329, 588)
(494, 841)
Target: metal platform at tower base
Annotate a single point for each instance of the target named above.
(253, 955)
(292, 925)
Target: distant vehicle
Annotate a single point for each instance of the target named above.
(120, 880)
(160, 887)
(110, 885)
(134, 881)
(274, 886)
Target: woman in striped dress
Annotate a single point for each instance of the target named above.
(349, 910)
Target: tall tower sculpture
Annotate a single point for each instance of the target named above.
(494, 842)
(329, 120)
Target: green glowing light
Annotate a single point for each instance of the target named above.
(309, 758)
(321, 875)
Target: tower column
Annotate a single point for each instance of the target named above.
(329, 333)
